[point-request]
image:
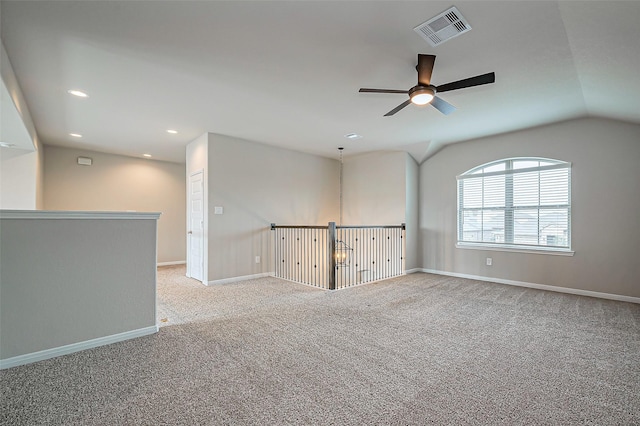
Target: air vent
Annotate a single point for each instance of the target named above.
(447, 25)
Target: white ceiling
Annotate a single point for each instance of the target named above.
(288, 73)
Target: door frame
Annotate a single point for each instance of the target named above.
(204, 226)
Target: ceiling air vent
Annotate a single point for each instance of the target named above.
(447, 25)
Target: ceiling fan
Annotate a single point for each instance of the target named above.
(424, 92)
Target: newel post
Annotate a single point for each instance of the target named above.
(332, 255)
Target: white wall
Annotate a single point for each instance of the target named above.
(18, 179)
(119, 183)
(605, 207)
(16, 119)
(20, 166)
(257, 185)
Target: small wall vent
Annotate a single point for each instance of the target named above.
(85, 161)
(445, 26)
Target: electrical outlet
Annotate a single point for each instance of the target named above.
(257, 259)
(489, 261)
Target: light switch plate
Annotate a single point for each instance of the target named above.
(218, 210)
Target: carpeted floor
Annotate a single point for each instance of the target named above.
(419, 349)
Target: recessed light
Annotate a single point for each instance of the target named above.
(75, 135)
(78, 93)
(146, 155)
(173, 132)
(353, 136)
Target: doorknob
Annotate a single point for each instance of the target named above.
(190, 232)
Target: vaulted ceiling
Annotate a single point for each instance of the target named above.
(288, 73)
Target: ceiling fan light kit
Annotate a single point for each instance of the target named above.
(425, 93)
(421, 95)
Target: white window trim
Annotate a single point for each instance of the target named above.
(516, 249)
(469, 175)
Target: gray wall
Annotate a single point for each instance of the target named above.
(605, 207)
(66, 280)
(412, 207)
(119, 183)
(381, 188)
(374, 188)
(257, 185)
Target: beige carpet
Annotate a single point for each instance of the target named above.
(420, 349)
(183, 300)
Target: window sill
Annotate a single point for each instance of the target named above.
(516, 249)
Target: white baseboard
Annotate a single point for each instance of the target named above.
(240, 278)
(176, 262)
(75, 347)
(413, 271)
(568, 290)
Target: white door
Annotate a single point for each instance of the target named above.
(195, 233)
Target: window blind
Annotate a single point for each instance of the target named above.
(518, 202)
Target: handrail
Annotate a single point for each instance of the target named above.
(401, 226)
(274, 226)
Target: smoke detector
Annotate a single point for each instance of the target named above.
(445, 26)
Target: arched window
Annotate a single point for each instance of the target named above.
(519, 203)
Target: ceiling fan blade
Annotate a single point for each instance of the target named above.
(398, 108)
(468, 82)
(443, 106)
(424, 68)
(383, 91)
